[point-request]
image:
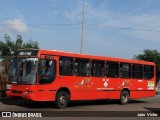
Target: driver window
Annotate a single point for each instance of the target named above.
(47, 71)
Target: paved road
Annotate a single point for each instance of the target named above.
(108, 105)
(145, 105)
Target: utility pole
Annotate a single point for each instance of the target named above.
(82, 34)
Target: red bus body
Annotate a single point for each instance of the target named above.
(84, 88)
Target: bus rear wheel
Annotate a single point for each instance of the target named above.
(124, 97)
(62, 99)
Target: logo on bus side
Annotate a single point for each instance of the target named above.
(85, 81)
(105, 82)
(125, 83)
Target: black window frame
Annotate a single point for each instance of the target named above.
(148, 74)
(112, 72)
(79, 71)
(65, 70)
(47, 79)
(125, 70)
(137, 71)
(98, 71)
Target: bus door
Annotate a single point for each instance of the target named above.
(47, 76)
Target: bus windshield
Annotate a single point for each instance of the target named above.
(23, 71)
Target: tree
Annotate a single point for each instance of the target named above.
(7, 47)
(151, 56)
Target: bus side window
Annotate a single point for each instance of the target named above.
(148, 72)
(137, 71)
(82, 67)
(125, 70)
(98, 68)
(47, 71)
(66, 66)
(112, 69)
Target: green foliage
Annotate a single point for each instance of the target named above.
(151, 56)
(31, 44)
(7, 47)
(19, 42)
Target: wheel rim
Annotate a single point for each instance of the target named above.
(63, 100)
(124, 97)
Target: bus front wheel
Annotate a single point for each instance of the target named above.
(62, 99)
(124, 98)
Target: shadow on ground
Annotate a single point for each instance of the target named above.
(31, 104)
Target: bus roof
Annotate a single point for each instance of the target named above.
(93, 57)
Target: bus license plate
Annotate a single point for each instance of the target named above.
(8, 86)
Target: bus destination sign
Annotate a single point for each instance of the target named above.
(26, 53)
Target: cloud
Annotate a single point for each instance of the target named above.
(15, 25)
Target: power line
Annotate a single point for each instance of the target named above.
(60, 24)
(88, 24)
(117, 27)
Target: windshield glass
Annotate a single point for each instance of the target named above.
(23, 70)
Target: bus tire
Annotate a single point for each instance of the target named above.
(62, 99)
(124, 97)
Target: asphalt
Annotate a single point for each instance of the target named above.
(144, 105)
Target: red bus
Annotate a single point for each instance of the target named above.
(50, 75)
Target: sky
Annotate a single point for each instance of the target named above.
(115, 28)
